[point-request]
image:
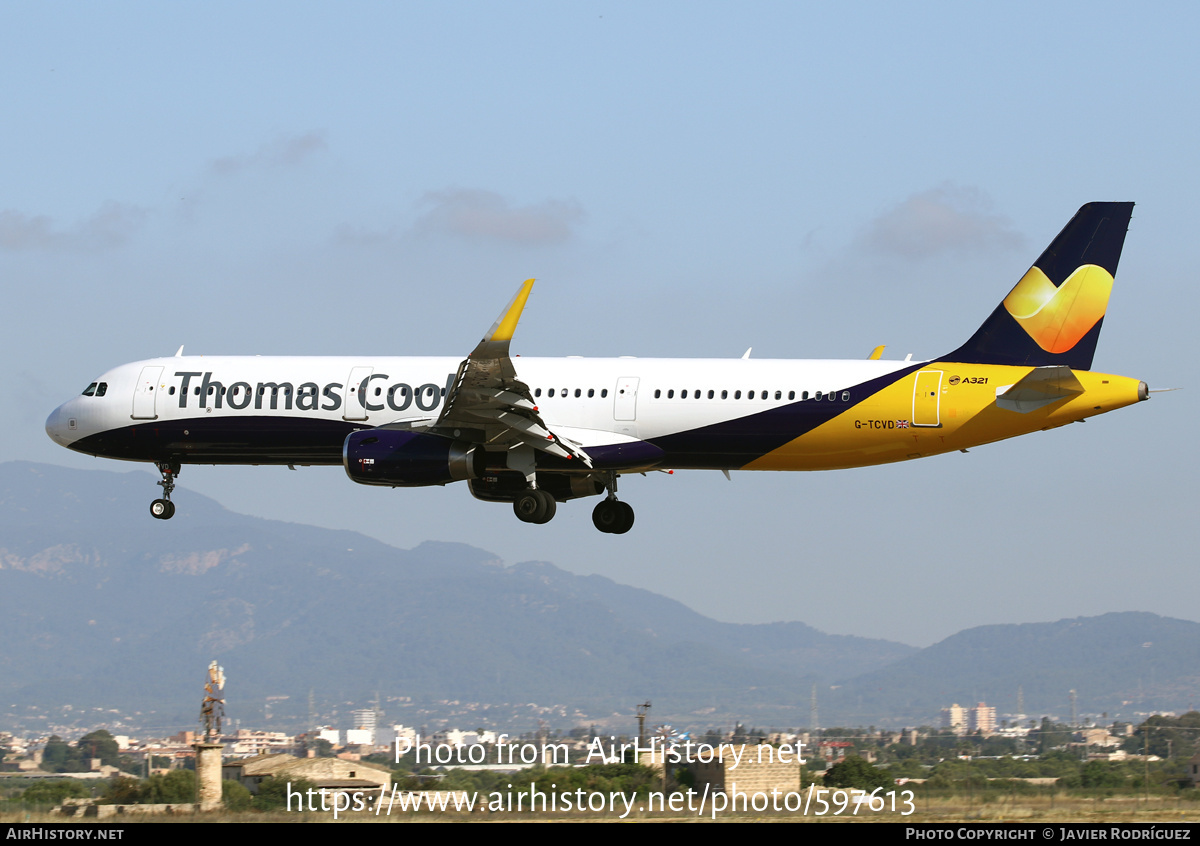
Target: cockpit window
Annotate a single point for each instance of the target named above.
(90, 390)
(101, 389)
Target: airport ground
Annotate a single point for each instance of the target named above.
(940, 809)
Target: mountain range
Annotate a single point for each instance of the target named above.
(101, 606)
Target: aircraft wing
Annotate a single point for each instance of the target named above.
(489, 405)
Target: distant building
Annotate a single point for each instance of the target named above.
(955, 718)
(761, 770)
(1097, 737)
(407, 735)
(247, 742)
(982, 718)
(834, 751)
(333, 774)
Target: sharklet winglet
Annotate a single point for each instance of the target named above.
(506, 323)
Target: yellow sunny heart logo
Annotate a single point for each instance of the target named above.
(1056, 318)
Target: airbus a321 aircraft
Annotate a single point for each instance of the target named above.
(538, 431)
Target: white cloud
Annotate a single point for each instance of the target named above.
(285, 152)
(475, 213)
(944, 219)
(112, 225)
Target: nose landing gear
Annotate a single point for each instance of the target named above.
(612, 516)
(164, 509)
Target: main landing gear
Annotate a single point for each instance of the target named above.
(164, 509)
(611, 516)
(535, 506)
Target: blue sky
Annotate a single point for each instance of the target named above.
(683, 179)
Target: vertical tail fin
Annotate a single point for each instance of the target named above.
(1054, 314)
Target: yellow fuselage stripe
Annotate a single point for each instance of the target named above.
(957, 405)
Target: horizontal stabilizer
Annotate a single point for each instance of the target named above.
(1039, 387)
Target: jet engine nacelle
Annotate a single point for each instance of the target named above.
(403, 458)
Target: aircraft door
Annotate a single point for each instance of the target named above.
(354, 407)
(927, 398)
(143, 394)
(625, 398)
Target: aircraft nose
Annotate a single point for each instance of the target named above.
(61, 426)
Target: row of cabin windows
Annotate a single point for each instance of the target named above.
(100, 388)
(566, 392)
(831, 396)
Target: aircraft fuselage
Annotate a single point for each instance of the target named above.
(726, 414)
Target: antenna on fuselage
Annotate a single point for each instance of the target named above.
(179, 352)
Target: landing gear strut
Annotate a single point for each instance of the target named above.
(612, 516)
(164, 509)
(535, 506)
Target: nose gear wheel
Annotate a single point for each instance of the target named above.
(613, 517)
(164, 509)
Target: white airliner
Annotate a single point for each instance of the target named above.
(538, 431)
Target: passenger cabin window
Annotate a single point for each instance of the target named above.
(591, 392)
(603, 392)
(537, 392)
